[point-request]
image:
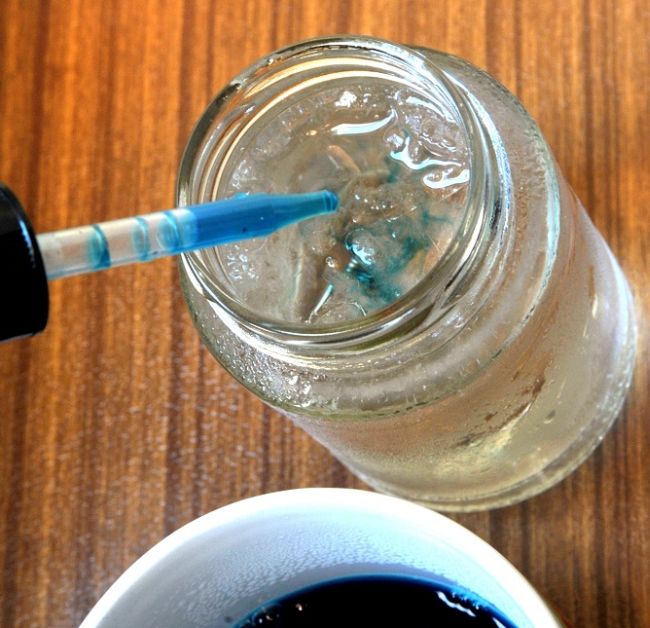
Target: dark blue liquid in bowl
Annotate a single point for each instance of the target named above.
(375, 601)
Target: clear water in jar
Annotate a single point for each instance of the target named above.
(398, 161)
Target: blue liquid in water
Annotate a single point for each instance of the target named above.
(399, 163)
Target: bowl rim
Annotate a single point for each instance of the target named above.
(529, 601)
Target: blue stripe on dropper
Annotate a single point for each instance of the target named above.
(172, 236)
(98, 251)
(141, 242)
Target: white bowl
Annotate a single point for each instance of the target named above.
(223, 565)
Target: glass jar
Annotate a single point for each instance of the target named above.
(497, 373)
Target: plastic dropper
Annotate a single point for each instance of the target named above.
(27, 261)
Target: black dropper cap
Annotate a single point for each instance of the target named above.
(24, 301)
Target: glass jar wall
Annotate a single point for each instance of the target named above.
(459, 334)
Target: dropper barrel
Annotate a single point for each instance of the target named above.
(159, 234)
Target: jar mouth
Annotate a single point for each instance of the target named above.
(213, 141)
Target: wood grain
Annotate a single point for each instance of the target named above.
(116, 426)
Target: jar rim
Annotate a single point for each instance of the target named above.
(435, 287)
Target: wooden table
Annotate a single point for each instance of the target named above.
(117, 427)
